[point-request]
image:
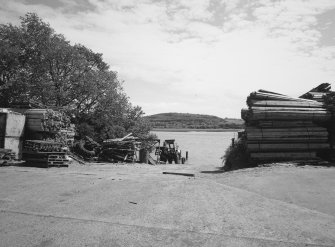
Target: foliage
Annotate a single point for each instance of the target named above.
(236, 156)
(55, 121)
(192, 121)
(40, 66)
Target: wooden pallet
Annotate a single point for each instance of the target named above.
(46, 159)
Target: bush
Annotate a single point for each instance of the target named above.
(236, 156)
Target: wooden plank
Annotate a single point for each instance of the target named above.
(289, 115)
(297, 129)
(288, 140)
(270, 96)
(284, 123)
(180, 173)
(151, 160)
(286, 134)
(284, 156)
(280, 108)
(285, 103)
(270, 147)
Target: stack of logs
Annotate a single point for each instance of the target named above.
(279, 127)
(318, 93)
(120, 150)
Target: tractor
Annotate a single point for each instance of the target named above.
(169, 152)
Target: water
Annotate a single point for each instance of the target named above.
(204, 148)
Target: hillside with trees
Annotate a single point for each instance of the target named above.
(192, 121)
(40, 67)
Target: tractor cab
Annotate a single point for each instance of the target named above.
(169, 152)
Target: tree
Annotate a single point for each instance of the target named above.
(40, 66)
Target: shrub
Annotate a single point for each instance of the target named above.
(236, 156)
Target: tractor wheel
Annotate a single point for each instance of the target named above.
(85, 152)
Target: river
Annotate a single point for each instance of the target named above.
(204, 148)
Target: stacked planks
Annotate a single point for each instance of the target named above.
(279, 127)
(45, 120)
(44, 153)
(323, 93)
(318, 93)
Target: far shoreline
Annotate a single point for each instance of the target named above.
(196, 130)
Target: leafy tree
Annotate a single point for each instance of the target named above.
(40, 66)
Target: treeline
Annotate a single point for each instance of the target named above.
(42, 68)
(192, 121)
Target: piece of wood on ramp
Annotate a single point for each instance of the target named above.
(180, 173)
(151, 160)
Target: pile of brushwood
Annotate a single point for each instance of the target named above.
(125, 149)
(283, 128)
(120, 150)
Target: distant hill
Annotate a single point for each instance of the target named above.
(192, 121)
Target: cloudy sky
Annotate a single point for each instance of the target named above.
(199, 56)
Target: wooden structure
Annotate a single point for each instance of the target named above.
(44, 153)
(280, 127)
(12, 131)
(123, 149)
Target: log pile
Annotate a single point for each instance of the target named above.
(323, 93)
(280, 127)
(318, 93)
(120, 150)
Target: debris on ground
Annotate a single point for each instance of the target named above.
(120, 150)
(180, 173)
(86, 149)
(6, 156)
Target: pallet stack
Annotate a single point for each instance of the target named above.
(279, 127)
(48, 132)
(44, 153)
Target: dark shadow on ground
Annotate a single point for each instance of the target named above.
(218, 170)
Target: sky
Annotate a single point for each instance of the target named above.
(198, 56)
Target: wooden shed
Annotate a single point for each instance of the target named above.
(11, 131)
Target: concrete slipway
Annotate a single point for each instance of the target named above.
(137, 205)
